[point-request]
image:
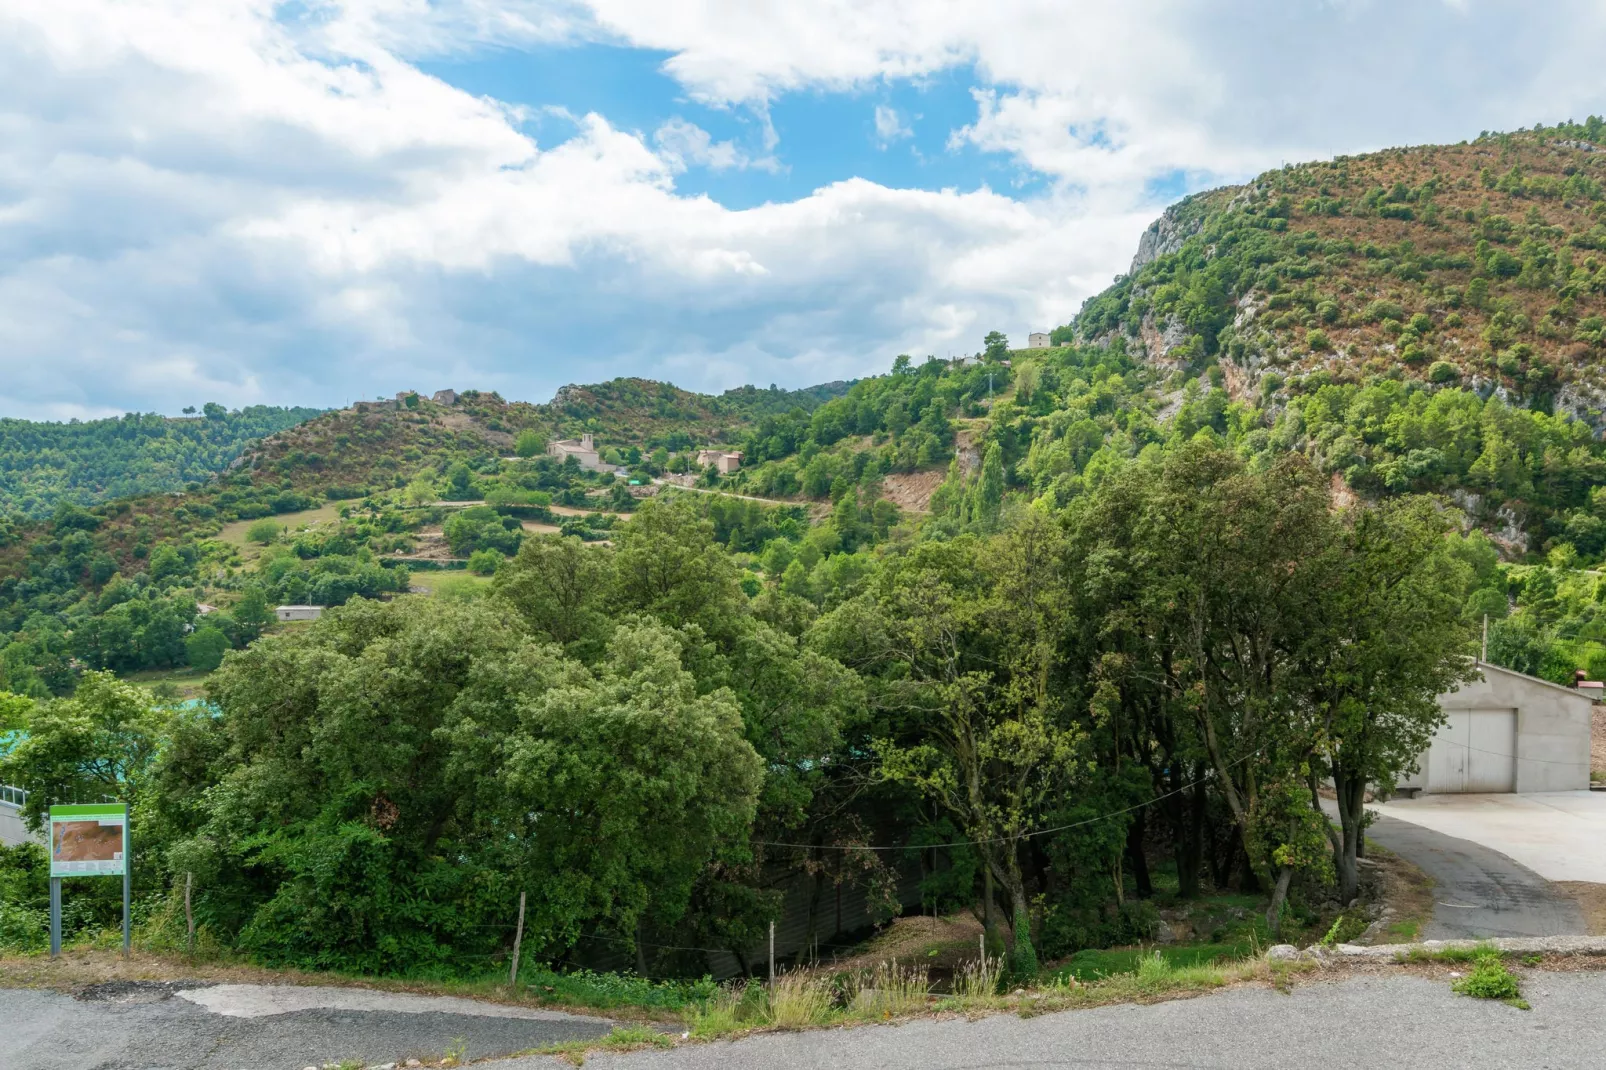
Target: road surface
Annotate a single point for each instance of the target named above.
(1477, 891)
(135, 1026)
(1382, 1022)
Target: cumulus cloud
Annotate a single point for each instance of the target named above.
(247, 201)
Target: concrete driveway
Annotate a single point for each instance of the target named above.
(1559, 835)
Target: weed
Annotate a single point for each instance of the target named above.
(889, 990)
(797, 1000)
(624, 1038)
(456, 1052)
(1533, 960)
(1490, 979)
(978, 980)
(1447, 954)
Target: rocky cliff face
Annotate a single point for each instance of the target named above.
(1165, 235)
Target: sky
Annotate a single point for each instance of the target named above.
(314, 201)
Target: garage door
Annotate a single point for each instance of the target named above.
(1475, 751)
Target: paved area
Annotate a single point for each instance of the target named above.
(1477, 891)
(1559, 835)
(134, 1026)
(1373, 1022)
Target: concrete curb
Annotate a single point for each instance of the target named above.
(1546, 945)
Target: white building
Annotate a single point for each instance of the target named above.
(1508, 732)
(12, 830)
(581, 449)
(1038, 340)
(285, 613)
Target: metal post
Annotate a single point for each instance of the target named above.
(518, 938)
(1483, 655)
(189, 915)
(55, 916)
(128, 882)
(772, 952)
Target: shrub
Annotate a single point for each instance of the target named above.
(1317, 340)
(1381, 310)
(484, 562)
(1490, 979)
(1442, 371)
(263, 531)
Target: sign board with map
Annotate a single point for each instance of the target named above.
(89, 840)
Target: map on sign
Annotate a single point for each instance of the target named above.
(88, 840)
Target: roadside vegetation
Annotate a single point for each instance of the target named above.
(1089, 691)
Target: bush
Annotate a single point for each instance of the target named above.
(1317, 340)
(1490, 979)
(263, 531)
(1442, 371)
(484, 562)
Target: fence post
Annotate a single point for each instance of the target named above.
(772, 952)
(189, 915)
(518, 938)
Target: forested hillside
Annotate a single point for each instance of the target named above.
(1068, 635)
(85, 462)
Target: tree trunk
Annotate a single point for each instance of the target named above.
(1279, 894)
(1351, 792)
(1190, 859)
(1136, 858)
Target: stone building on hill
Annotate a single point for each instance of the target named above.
(581, 449)
(725, 461)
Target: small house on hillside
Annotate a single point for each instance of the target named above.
(288, 613)
(444, 397)
(1038, 340)
(582, 449)
(725, 461)
(1508, 732)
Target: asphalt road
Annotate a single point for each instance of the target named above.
(249, 1027)
(1383, 1022)
(1479, 892)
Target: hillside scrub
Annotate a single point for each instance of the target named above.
(651, 752)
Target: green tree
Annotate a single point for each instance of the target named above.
(252, 614)
(205, 648)
(1388, 640)
(529, 444)
(995, 347)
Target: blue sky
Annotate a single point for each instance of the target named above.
(259, 202)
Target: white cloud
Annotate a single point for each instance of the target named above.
(207, 198)
(889, 125)
(684, 144)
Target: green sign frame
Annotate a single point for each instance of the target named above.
(82, 843)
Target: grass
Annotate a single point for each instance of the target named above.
(189, 682)
(623, 1038)
(234, 533)
(452, 586)
(1449, 955)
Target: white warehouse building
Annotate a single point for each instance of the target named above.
(1508, 732)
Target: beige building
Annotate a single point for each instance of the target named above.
(726, 461)
(1508, 732)
(581, 449)
(1038, 340)
(287, 613)
(444, 397)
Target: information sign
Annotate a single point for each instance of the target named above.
(89, 840)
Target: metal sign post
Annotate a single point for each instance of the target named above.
(89, 840)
